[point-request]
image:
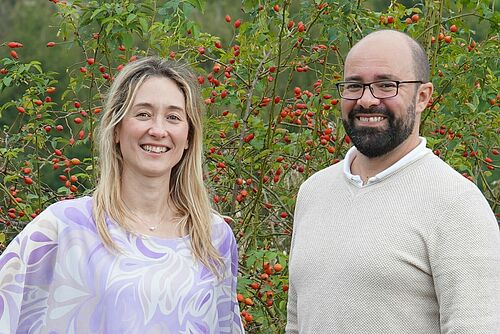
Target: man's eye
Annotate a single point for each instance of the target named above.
(353, 86)
(386, 85)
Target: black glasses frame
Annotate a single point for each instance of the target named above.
(369, 85)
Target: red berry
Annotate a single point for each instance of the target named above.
(38, 102)
(51, 44)
(78, 120)
(14, 45)
(77, 104)
(14, 54)
(276, 8)
(237, 24)
(90, 61)
(21, 110)
(228, 18)
(415, 18)
(453, 28)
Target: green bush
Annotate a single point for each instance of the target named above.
(273, 116)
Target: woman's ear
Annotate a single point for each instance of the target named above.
(117, 135)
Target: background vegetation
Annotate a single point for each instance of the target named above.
(267, 71)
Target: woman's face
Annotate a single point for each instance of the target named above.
(154, 133)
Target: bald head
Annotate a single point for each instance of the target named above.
(401, 43)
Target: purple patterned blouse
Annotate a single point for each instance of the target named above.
(56, 276)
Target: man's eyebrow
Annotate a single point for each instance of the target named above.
(378, 77)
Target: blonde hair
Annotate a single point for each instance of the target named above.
(187, 191)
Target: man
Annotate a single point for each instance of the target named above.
(391, 239)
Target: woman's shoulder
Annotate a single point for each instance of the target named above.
(221, 228)
(69, 212)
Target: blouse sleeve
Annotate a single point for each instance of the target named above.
(237, 325)
(229, 251)
(26, 270)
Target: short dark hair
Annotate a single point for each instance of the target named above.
(420, 60)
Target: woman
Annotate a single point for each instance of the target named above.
(145, 254)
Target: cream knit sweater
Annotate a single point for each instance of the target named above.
(416, 252)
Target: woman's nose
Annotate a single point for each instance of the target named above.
(158, 129)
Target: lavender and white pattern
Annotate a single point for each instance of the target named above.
(57, 277)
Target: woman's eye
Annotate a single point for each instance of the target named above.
(174, 117)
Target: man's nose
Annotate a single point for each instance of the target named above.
(367, 99)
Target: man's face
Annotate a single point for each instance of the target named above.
(375, 141)
(378, 126)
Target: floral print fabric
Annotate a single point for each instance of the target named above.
(57, 277)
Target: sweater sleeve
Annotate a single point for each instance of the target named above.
(292, 326)
(27, 265)
(465, 262)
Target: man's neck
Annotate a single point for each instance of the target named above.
(367, 167)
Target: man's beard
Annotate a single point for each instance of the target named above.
(375, 142)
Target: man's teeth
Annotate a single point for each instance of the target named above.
(371, 119)
(155, 149)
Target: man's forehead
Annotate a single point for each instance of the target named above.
(381, 55)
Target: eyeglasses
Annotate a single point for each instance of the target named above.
(383, 89)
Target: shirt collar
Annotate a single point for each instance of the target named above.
(413, 155)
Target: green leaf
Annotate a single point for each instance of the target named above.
(130, 18)
(128, 40)
(7, 81)
(144, 24)
(198, 4)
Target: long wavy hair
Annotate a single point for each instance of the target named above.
(187, 190)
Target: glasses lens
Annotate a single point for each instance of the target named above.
(383, 89)
(350, 90)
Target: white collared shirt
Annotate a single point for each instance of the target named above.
(413, 155)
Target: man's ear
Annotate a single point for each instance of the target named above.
(423, 97)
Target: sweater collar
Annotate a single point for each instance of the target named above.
(413, 155)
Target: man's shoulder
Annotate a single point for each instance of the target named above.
(445, 175)
(328, 174)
